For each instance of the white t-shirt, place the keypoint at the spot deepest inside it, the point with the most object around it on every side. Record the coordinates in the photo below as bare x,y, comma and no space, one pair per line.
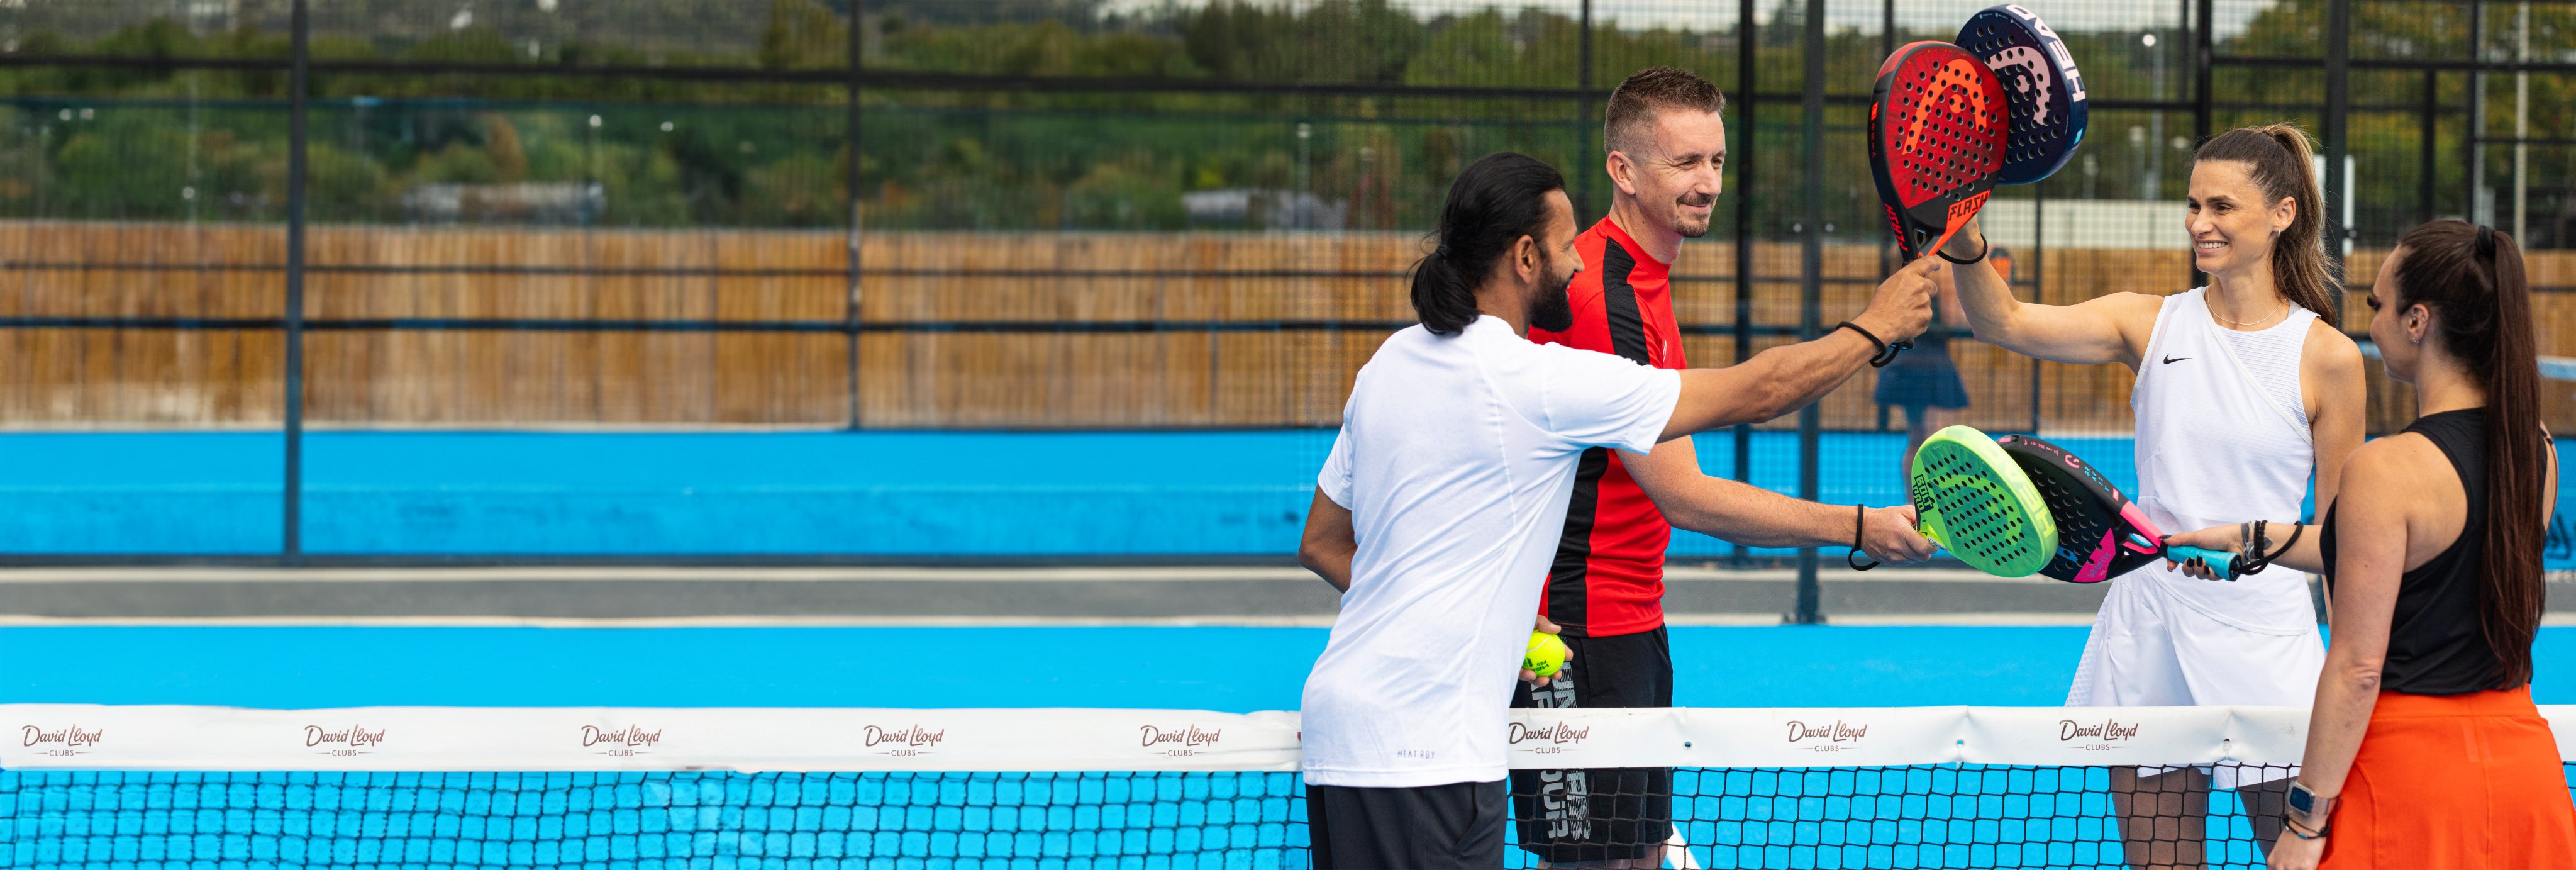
1456,459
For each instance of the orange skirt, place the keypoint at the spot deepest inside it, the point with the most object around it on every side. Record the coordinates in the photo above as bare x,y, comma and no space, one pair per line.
2467,781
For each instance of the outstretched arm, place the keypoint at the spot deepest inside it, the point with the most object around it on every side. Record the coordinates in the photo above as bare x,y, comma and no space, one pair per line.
2111,328
1784,379
1756,517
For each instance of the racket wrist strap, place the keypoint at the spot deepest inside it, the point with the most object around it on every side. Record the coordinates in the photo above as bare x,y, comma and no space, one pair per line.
1886,352
1860,523
1989,247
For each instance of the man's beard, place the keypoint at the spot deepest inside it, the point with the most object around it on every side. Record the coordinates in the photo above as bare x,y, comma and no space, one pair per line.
1553,310
1684,227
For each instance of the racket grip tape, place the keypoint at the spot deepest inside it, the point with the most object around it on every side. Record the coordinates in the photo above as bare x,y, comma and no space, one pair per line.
2220,563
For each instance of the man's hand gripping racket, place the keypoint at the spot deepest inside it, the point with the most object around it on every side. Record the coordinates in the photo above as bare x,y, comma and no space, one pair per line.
1971,499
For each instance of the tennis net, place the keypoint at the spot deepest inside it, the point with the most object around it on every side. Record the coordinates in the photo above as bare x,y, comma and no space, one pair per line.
169,787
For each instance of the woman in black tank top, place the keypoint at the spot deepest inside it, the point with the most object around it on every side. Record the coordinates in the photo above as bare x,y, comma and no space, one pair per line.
2424,749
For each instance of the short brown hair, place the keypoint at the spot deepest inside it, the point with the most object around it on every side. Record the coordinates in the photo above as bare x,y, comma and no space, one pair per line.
1633,104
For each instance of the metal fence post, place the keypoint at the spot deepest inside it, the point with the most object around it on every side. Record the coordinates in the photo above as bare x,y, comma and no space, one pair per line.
1811,288
1741,155
2424,152
1583,165
292,548
2038,285
850,305
2337,120
2204,107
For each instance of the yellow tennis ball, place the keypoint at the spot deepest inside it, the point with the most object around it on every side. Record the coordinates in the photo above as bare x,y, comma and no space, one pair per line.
1546,654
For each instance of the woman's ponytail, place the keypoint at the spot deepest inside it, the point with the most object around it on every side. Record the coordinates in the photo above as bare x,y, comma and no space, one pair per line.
2472,278
1492,205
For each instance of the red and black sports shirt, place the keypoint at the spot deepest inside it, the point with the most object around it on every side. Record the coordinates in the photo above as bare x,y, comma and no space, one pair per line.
1608,578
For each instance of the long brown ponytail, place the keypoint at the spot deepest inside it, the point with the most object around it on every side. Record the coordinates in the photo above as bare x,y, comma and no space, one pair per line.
2472,279
2278,160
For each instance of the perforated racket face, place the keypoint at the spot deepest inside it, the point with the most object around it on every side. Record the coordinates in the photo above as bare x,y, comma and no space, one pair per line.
1975,501
1937,127
2099,534
2041,84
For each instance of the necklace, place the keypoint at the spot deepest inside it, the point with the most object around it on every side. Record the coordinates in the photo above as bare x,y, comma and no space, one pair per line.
2213,315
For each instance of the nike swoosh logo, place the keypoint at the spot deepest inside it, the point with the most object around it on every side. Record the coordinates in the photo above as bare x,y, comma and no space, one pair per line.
2171,360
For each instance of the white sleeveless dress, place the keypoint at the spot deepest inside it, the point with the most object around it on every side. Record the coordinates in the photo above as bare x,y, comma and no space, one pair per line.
2222,438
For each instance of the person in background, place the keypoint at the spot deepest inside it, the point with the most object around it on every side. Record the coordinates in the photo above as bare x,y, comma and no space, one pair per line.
1924,381
2424,749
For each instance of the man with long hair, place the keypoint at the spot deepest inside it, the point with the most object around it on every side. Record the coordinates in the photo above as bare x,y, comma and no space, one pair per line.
1436,512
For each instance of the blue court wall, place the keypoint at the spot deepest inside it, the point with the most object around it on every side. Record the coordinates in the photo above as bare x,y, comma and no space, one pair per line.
994,494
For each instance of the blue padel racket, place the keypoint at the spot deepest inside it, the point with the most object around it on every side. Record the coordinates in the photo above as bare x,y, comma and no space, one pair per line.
1938,123
2041,84
2101,534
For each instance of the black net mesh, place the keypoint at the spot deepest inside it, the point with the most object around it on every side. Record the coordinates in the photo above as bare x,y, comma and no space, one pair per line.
1916,816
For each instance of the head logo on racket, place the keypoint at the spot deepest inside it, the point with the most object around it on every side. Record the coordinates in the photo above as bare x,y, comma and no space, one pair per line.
2042,86
1938,124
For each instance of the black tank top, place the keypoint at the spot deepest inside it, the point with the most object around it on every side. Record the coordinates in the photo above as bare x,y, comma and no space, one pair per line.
2436,642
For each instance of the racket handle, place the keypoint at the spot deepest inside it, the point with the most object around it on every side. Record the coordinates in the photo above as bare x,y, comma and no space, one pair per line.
2220,563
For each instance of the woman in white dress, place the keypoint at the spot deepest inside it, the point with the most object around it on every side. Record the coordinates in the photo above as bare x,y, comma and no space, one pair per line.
2245,391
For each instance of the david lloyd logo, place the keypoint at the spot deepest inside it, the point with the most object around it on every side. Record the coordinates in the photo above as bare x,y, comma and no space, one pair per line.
1833,737
67,741
1552,739
350,739
904,741
2106,733
1183,741
621,742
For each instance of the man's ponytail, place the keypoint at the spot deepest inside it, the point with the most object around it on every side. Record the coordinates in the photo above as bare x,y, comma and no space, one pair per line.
1491,206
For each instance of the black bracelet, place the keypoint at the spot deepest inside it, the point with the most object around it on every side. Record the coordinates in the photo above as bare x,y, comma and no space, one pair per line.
1860,521
2255,562
1981,255
1886,352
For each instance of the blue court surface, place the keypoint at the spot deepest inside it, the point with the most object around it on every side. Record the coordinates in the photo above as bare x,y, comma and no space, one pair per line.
1224,669
939,494
929,494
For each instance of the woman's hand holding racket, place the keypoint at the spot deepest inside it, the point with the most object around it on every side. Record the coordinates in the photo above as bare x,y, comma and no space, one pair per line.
2209,554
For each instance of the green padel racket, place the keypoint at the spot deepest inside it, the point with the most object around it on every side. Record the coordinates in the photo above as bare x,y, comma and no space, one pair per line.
1971,498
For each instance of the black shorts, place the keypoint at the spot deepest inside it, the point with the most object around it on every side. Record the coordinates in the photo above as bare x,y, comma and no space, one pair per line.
1454,825
1602,814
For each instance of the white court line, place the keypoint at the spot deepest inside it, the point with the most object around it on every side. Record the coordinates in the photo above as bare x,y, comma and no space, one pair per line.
1317,621
1303,621
207,574
194,574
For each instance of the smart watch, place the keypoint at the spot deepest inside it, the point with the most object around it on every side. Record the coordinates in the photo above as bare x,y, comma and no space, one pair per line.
2308,810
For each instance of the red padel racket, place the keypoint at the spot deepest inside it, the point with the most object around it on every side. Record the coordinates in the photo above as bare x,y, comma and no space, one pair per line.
2041,84
2101,534
1938,123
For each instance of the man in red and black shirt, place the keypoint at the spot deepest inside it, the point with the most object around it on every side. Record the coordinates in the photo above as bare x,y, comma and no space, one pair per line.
1666,149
